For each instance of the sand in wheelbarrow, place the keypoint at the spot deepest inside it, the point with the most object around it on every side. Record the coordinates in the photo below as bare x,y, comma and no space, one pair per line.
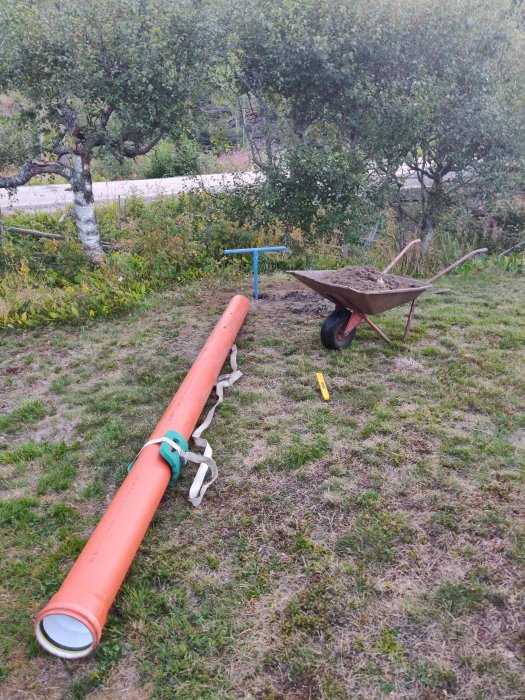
366,279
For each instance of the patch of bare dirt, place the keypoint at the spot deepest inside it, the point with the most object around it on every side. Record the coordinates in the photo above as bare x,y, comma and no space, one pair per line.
123,683
43,678
47,677
298,301
518,438
366,278
407,365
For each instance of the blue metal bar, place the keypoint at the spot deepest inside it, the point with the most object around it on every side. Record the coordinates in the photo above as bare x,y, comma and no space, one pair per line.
255,257
253,250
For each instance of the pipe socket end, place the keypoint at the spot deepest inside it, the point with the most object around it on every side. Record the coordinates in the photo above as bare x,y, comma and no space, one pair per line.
64,636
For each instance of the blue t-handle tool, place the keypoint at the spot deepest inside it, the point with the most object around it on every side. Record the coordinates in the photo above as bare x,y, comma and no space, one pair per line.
255,255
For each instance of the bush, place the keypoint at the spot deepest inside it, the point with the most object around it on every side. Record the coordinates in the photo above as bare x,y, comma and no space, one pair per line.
168,241
171,158
107,167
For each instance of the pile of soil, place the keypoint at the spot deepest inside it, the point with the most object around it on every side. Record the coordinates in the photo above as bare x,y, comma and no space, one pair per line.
299,301
366,279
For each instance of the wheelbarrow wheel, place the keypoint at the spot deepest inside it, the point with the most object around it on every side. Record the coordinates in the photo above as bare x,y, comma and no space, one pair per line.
333,330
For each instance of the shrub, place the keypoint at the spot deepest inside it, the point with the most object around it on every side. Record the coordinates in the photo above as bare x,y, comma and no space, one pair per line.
107,167
170,240
171,158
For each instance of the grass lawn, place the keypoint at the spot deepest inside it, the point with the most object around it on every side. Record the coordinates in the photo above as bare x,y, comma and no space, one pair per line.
368,547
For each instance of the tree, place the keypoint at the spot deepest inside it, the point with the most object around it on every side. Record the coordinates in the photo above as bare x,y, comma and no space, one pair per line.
293,62
93,76
414,89
316,184
443,100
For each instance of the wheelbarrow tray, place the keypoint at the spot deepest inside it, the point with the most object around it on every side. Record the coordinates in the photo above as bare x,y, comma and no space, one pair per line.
355,300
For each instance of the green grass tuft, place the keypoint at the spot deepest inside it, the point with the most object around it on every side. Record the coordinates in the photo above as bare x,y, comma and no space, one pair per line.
460,597
24,416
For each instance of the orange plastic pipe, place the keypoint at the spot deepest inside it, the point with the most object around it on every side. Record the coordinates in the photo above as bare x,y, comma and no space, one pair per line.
71,623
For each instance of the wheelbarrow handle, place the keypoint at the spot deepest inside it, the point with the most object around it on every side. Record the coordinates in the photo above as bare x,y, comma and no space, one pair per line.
448,269
400,255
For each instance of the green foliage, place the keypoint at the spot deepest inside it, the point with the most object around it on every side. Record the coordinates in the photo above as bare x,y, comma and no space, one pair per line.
433,88
433,676
318,186
56,462
108,167
97,80
442,107
141,61
18,140
333,97
460,597
389,644
310,611
298,453
165,242
513,262
27,451
298,58
373,537
18,512
25,301
173,157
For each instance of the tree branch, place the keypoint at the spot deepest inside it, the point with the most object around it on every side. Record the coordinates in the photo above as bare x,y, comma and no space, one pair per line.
138,150
97,138
62,150
35,167
250,133
105,114
52,236
67,118
255,87
422,170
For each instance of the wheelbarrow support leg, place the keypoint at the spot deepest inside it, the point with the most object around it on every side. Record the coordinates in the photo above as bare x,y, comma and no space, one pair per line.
409,320
356,318
376,328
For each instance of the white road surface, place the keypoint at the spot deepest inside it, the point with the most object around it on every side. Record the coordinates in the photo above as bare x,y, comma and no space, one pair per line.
58,197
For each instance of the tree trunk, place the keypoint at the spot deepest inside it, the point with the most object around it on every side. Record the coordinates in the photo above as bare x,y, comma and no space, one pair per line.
84,210
400,217
372,234
287,234
431,199
427,231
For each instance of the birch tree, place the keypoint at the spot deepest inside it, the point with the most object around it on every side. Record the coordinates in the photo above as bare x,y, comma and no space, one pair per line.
89,75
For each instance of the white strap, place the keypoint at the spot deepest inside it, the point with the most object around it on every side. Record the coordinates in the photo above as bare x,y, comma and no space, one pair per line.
205,460
199,488
157,441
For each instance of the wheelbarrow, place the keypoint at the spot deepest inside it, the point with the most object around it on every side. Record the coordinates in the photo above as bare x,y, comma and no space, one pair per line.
353,306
